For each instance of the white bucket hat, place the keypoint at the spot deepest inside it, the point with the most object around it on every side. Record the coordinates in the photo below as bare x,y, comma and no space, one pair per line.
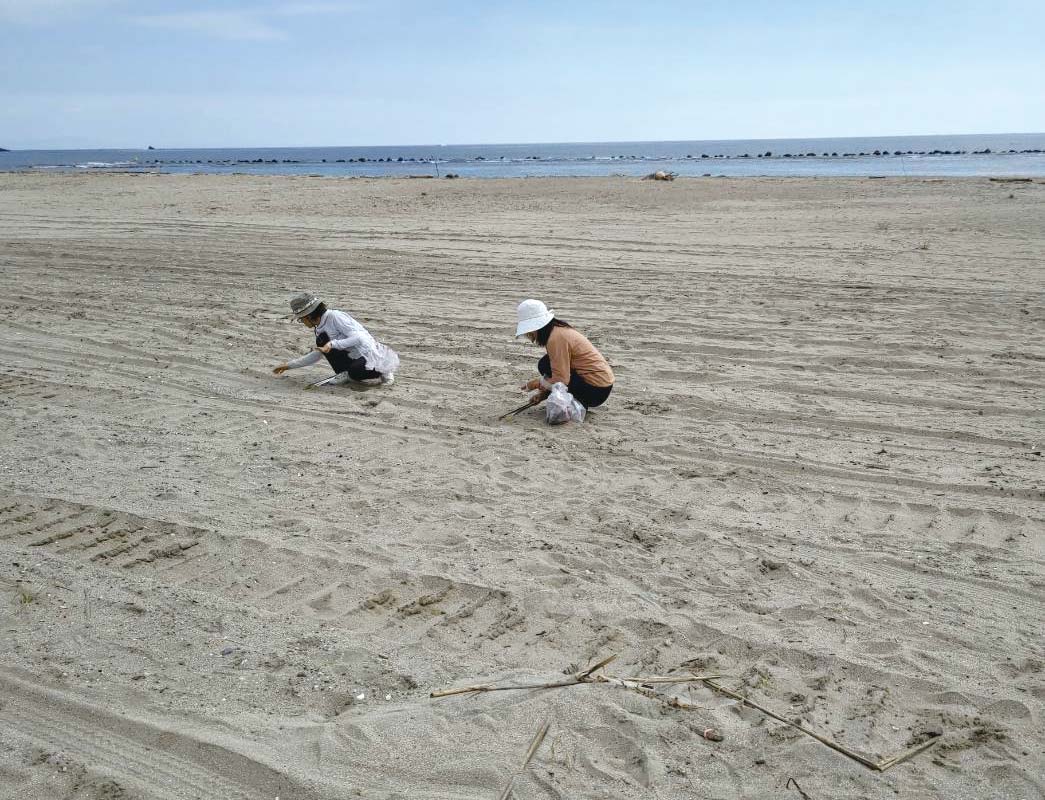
533,315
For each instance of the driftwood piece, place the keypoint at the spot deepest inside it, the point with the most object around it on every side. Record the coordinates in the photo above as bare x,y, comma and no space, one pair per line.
660,175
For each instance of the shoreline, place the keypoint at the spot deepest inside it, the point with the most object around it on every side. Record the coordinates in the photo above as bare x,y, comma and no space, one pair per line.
929,178
1032,175
938,156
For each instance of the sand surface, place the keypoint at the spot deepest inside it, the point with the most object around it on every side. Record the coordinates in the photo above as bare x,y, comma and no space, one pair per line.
820,476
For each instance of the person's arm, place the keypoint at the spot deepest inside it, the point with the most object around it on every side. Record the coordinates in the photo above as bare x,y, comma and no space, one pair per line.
304,361
345,332
559,356
347,342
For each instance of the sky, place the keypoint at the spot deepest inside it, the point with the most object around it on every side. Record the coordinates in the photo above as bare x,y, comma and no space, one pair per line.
255,73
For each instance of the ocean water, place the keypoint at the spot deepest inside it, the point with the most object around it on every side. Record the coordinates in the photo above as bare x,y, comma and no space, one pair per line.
1016,154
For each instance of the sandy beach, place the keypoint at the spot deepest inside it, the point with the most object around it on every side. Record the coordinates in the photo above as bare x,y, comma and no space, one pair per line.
820,476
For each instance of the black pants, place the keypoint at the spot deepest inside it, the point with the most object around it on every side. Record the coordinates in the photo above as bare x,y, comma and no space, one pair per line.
340,362
356,369
587,395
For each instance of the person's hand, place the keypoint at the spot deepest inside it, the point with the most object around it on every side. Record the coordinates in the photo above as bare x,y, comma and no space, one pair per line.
281,369
530,385
324,348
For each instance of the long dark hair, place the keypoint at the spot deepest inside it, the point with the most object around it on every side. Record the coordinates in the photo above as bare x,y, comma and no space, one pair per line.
544,333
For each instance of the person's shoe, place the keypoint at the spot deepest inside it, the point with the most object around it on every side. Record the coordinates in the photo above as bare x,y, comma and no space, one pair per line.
388,378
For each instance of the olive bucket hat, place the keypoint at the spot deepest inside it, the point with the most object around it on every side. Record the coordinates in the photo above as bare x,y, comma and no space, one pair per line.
301,305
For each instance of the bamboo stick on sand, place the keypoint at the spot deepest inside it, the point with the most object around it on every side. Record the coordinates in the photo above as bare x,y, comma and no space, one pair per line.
535,745
877,766
641,685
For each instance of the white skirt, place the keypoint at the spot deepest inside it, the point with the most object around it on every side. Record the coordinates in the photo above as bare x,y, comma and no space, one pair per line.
382,358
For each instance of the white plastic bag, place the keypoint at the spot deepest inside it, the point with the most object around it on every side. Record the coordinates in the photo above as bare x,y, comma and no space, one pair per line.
562,406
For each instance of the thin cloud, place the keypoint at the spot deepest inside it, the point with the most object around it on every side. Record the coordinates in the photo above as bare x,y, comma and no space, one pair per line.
220,24
43,11
259,23
311,9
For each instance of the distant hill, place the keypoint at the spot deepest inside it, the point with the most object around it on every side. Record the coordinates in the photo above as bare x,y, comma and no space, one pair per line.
4,150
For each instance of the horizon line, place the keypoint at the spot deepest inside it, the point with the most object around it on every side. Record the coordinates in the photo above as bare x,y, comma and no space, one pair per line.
146,148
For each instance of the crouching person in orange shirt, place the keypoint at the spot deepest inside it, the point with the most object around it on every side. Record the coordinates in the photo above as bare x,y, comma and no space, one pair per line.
571,359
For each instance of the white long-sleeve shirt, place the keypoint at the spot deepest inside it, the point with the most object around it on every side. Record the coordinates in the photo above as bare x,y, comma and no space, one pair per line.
349,334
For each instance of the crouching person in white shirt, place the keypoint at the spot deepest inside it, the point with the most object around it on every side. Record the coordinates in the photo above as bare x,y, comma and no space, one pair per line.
352,352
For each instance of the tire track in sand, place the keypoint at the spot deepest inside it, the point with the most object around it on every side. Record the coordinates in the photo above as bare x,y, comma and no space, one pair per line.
158,760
